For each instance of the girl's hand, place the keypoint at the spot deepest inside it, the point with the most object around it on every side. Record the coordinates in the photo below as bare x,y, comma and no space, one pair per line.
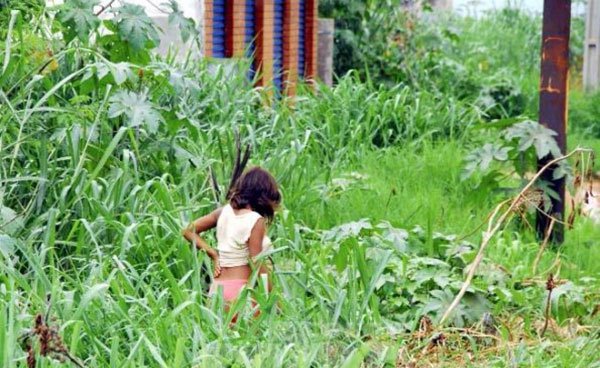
217,268
215,258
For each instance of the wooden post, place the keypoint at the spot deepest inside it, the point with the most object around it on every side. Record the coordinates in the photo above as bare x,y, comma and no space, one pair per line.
591,52
264,42
234,28
215,24
208,27
325,51
291,27
553,100
310,40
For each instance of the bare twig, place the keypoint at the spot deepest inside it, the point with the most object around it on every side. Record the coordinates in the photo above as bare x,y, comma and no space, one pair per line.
543,246
157,7
49,341
476,229
549,286
493,228
215,185
239,164
241,160
104,7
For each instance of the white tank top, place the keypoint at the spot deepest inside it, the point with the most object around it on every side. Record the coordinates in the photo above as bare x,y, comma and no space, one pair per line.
233,232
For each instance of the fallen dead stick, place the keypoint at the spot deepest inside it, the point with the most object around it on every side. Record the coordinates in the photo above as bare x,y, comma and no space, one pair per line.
493,228
471,332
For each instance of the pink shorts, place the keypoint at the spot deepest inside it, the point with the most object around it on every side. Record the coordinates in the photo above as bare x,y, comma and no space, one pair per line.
231,288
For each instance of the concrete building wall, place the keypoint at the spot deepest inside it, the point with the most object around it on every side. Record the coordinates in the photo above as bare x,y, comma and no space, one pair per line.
442,4
170,38
281,36
591,60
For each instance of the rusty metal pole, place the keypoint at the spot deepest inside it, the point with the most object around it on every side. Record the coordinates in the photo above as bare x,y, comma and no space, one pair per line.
553,100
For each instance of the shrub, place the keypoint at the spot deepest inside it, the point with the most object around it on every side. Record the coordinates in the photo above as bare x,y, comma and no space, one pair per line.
584,113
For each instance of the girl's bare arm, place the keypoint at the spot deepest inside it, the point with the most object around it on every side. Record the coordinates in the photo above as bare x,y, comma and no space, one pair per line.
255,245
191,233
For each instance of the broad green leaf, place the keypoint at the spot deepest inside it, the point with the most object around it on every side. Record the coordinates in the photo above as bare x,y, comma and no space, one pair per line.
99,69
398,237
10,221
563,169
546,186
441,280
482,158
176,19
419,261
121,72
439,301
348,230
134,26
7,245
181,83
136,108
78,16
439,276
533,134
178,360
572,292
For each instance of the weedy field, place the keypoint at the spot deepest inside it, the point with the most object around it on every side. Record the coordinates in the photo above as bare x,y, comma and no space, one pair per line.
388,181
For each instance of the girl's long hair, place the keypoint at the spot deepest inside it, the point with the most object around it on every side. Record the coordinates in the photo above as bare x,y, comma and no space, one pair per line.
257,189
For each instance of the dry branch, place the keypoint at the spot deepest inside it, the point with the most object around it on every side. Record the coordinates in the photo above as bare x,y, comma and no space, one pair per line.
550,284
104,7
543,246
493,228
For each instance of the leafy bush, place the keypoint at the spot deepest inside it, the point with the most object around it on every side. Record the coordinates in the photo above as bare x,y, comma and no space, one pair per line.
527,138
359,113
509,164
462,58
584,114
28,9
501,98
383,41
409,281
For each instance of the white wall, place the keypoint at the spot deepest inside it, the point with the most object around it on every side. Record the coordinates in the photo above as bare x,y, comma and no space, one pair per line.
591,58
190,8
474,7
170,38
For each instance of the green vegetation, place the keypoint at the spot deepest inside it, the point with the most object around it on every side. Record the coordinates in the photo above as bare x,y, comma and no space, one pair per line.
105,154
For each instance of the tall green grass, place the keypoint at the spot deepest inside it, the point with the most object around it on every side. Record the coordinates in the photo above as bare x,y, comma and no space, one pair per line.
412,185
91,210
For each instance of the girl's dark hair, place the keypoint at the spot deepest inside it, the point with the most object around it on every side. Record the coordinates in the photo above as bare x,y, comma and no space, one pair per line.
258,189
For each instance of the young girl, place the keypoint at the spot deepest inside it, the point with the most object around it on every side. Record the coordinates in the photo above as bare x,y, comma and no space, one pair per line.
241,230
